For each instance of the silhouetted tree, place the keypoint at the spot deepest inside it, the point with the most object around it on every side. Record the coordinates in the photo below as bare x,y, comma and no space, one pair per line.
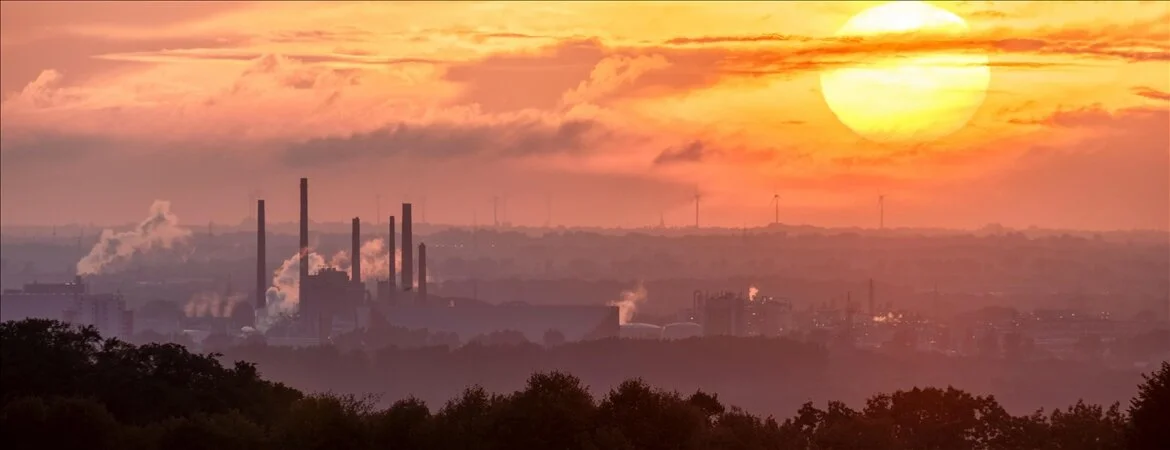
406,424
1086,426
553,411
1149,411
65,387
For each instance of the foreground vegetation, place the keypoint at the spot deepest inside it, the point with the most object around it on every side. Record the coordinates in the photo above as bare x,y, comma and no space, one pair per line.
66,387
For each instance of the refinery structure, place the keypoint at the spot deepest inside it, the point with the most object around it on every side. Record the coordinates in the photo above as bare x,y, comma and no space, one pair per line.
332,301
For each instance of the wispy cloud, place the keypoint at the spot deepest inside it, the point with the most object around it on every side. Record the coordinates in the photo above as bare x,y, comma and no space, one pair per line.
522,137
1151,93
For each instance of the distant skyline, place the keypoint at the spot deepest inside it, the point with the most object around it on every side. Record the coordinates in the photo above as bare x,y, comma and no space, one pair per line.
613,113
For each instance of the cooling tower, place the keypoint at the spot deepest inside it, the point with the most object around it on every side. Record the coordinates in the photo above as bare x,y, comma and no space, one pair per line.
261,255
407,250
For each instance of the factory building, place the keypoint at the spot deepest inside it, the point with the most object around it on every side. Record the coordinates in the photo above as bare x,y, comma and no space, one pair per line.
575,322
733,314
722,313
681,330
71,303
640,331
333,302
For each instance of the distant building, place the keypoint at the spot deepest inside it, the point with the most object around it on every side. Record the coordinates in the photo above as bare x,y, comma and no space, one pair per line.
574,322
723,314
331,303
640,331
682,330
69,302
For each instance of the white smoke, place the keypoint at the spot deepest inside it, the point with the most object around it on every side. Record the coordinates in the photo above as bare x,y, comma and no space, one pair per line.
753,292
283,297
628,303
213,304
160,230
375,260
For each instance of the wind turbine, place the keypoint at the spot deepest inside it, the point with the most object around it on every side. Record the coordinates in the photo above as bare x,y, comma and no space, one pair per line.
776,203
496,211
697,197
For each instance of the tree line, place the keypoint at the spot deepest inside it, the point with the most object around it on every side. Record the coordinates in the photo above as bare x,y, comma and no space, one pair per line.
67,387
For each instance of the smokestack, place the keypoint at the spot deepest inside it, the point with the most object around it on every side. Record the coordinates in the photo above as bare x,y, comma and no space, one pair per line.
422,273
407,250
355,254
393,268
261,255
871,311
304,252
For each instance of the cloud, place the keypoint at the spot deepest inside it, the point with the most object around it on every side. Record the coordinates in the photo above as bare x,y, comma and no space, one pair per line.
695,151
1151,93
770,37
1144,40
269,98
205,54
612,73
491,82
1086,116
514,138
21,152
268,91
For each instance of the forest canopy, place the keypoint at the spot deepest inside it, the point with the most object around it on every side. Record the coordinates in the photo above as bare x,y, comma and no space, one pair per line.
111,394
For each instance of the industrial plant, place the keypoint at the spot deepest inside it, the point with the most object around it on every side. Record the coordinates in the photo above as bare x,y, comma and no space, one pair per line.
332,302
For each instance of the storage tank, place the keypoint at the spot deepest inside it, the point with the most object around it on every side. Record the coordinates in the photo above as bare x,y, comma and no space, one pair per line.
640,331
682,330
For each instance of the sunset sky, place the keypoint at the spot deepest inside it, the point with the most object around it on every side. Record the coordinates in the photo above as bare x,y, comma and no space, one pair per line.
614,113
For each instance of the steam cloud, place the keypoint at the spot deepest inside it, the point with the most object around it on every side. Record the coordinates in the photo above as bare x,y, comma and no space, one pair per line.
628,303
753,291
213,304
375,264
160,230
283,297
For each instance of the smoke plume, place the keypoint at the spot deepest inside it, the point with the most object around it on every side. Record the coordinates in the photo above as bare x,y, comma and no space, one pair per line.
283,297
753,291
628,302
213,304
114,251
375,264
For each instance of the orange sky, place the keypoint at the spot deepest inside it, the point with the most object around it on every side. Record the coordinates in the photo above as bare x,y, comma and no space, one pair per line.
614,113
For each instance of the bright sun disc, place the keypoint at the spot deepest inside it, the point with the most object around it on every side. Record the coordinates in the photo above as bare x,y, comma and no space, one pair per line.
917,97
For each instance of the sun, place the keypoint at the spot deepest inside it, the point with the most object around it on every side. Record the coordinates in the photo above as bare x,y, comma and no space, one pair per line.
888,95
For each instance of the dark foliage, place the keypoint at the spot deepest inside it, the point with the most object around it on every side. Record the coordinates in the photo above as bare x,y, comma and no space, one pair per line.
114,395
1149,412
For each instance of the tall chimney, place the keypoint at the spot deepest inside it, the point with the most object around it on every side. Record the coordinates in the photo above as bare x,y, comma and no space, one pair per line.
393,267
261,255
407,250
872,313
355,253
304,251
422,273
